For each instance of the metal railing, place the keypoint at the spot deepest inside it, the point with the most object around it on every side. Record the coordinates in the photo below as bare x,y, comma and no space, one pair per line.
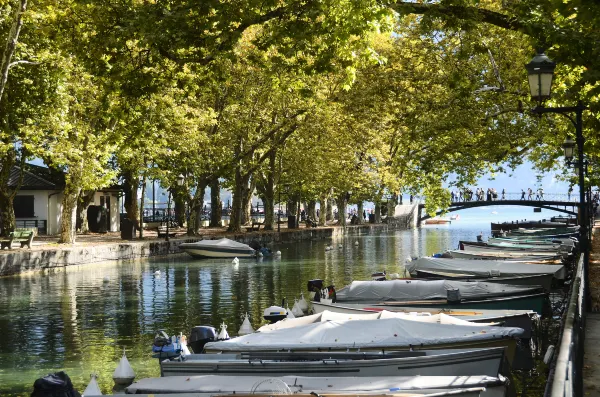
566,377
565,197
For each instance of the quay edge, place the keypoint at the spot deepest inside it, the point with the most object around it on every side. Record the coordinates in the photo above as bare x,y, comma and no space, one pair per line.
22,261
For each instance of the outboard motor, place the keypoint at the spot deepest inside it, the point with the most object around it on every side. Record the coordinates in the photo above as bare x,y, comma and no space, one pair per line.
379,276
200,336
314,286
54,385
274,313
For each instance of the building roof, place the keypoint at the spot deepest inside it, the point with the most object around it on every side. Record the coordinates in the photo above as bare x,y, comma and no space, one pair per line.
31,181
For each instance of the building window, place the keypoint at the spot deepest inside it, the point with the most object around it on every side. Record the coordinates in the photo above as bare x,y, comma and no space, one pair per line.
23,206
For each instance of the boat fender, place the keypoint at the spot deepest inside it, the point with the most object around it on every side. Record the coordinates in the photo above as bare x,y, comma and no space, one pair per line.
183,344
124,374
549,354
290,314
223,335
235,261
246,327
92,388
302,304
296,311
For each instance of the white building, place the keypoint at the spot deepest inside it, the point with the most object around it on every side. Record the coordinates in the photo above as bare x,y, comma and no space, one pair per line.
38,204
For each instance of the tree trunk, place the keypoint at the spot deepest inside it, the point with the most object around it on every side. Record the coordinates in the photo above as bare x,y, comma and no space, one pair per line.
130,187
247,191
7,210
85,198
391,205
196,203
330,204
235,219
312,209
11,44
377,212
360,211
216,205
69,205
342,203
141,214
323,211
179,203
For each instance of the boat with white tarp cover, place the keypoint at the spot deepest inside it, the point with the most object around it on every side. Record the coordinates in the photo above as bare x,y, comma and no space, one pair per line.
388,334
415,290
222,248
484,361
509,318
213,385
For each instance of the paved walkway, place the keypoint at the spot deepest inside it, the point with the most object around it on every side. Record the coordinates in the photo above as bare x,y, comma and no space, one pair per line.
591,360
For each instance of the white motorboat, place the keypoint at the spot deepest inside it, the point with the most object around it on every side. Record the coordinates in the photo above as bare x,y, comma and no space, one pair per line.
211,385
222,248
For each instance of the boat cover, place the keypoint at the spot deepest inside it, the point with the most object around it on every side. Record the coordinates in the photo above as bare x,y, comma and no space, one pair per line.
368,334
414,290
485,268
220,243
328,315
220,384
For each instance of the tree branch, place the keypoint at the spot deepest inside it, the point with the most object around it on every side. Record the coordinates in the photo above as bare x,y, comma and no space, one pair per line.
15,63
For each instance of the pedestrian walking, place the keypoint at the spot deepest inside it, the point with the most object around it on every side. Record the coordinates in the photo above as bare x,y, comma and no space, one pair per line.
569,193
503,194
529,193
541,193
522,194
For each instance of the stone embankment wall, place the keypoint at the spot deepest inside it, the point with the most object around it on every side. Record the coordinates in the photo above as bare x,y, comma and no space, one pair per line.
24,260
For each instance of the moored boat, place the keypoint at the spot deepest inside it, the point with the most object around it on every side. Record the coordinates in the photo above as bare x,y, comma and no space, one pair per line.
213,385
484,268
391,334
475,246
455,362
508,317
222,248
543,280
502,255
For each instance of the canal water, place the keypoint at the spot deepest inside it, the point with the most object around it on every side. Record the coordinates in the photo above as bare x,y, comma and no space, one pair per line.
80,320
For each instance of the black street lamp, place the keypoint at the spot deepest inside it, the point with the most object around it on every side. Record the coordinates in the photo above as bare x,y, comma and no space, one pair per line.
180,180
540,72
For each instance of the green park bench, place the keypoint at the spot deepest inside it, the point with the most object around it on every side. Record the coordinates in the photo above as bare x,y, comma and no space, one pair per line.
25,237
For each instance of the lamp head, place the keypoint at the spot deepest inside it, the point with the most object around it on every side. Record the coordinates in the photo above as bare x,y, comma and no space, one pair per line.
540,72
569,149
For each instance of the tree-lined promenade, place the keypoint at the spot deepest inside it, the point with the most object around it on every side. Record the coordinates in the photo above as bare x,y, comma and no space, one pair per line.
317,102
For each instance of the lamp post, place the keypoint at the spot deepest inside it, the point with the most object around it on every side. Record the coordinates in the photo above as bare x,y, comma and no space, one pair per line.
540,73
180,180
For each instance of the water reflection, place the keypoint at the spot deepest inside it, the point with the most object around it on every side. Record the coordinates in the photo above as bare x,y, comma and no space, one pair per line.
80,320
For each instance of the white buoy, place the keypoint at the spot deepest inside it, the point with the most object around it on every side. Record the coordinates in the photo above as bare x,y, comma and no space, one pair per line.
302,304
223,335
123,374
157,273
278,253
260,254
289,312
235,261
246,327
356,242
296,311
183,342
92,388
106,279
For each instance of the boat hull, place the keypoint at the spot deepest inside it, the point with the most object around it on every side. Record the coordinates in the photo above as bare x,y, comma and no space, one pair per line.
213,385
544,280
461,254
486,361
217,253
